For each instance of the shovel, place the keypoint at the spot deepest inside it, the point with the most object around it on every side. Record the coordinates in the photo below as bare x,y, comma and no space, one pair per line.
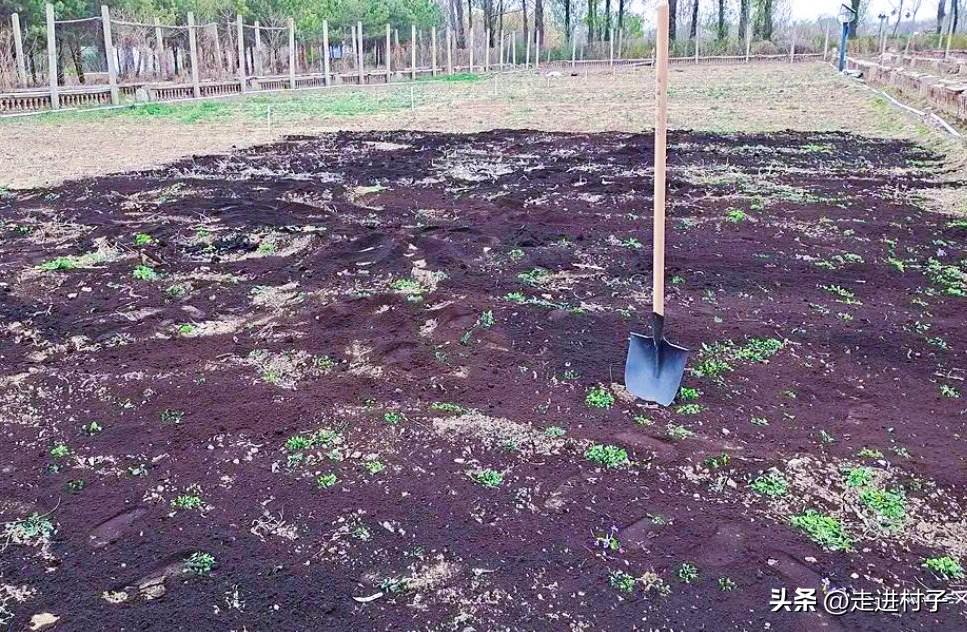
654,368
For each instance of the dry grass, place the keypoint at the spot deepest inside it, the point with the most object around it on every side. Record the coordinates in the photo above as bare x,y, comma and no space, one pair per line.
44,150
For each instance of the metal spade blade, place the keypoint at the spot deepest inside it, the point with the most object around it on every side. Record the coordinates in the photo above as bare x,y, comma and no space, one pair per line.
654,368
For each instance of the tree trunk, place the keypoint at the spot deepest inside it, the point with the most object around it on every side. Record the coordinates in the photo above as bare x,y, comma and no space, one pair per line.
672,19
899,16
743,19
722,32
539,19
854,25
941,15
567,18
955,5
693,28
591,25
621,15
77,58
606,27
764,21
461,33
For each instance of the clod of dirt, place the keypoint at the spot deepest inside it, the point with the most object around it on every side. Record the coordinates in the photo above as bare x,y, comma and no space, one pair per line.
43,620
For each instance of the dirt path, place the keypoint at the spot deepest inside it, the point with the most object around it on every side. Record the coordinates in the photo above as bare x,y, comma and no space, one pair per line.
370,381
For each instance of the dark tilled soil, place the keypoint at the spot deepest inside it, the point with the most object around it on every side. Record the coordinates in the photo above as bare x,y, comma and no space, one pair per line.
314,302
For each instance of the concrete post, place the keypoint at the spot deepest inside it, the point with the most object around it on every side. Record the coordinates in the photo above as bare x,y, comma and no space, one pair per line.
433,50
112,69
193,54
240,27
325,51
389,53
18,45
413,51
449,51
52,58
291,54
159,42
257,55
360,56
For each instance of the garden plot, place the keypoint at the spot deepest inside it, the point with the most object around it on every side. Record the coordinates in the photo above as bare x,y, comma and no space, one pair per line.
372,381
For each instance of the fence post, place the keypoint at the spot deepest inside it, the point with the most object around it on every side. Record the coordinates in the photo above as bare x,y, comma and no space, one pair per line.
433,49
792,47
413,51
486,49
159,42
112,70
513,50
325,51
18,44
360,71
257,55
449,51
574,51
472,42
826,44
52,58
291,54
621,33
389,52
500,60
748,43
611,47
240,26
696,47
193,53
950,34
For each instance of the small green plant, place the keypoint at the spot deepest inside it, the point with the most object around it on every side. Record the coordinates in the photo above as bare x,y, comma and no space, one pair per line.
143,239
610,456
412,290
949,391
771,484
607,541
92,428
869,453
951,279
946,567
486,319
200,563
825,530
734,216
825,437
889,505
620,580
858,476
145,273
59,263
186,329
75,486
32,530
176,291
687,394
689,409
266,247
687,573
759,421
599,397
298,443
187,501
374,466
325,481
487,477
516,254
446,407
393,417
678,432
718,461
632,243
842,294
172,416
643,420
726,584
554,432
60,451
535,276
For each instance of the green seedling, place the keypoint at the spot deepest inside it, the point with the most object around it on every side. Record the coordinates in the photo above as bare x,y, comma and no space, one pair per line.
687,572
599,397
622,581
393,417
718,461
535,276
869,453
858,476
187,501
172,416
726,584
842,294
143,239
949,391
678,432
374,466
945,567
825,530
609,456
92,428
145,273
200,563
889,505
607,541
325,481
186,329
446,407
687,394
60,451
689,409
32,530
772,484
554,432
735,216
488,477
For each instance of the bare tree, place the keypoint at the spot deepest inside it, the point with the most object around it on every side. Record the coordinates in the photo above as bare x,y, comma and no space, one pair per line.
672,18
539,18
458,23
743,18
693,27
722,30
567,18
899,16
941,14
592,21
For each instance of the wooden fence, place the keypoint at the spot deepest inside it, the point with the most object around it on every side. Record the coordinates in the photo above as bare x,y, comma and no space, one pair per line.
122,61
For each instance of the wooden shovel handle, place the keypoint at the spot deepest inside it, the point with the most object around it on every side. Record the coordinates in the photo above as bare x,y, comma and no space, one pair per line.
661,133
